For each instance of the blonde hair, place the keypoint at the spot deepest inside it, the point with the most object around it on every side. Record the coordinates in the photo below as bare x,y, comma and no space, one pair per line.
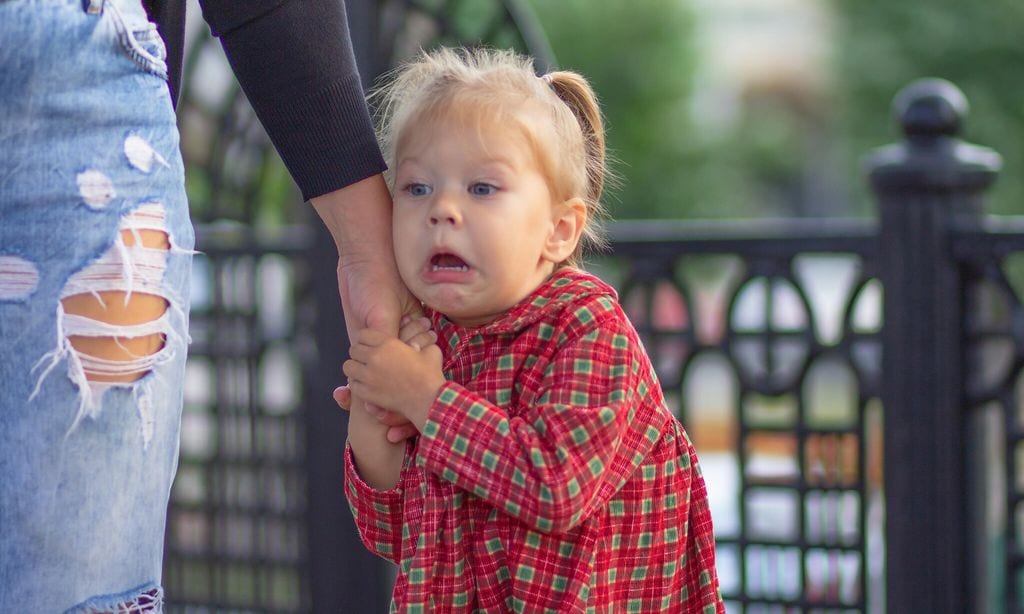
501,82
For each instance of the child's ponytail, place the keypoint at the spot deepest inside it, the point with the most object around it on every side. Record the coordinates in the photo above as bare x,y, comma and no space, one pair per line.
577,94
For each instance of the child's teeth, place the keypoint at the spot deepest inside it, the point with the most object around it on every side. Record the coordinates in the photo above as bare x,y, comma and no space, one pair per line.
450,268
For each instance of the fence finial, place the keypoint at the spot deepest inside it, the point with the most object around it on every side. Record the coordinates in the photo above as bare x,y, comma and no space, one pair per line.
930,108
932,155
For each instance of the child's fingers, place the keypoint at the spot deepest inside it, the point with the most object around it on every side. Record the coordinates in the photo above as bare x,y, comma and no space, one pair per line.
397,434
434,352
359,352
371,337
354,371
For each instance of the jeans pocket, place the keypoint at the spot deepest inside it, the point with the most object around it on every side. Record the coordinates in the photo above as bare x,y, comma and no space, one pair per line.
141,42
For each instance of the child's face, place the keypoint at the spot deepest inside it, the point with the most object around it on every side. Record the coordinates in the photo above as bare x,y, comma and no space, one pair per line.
474,220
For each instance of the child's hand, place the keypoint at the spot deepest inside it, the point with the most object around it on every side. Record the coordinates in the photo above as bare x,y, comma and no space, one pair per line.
387,372
416,332
399,429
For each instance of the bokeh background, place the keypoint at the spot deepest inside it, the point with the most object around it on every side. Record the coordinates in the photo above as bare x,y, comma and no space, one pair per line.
736,108
728,110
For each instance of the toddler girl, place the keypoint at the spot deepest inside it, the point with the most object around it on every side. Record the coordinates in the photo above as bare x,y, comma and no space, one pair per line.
548,474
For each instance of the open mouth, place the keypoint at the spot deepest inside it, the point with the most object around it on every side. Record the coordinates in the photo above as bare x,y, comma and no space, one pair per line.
448,262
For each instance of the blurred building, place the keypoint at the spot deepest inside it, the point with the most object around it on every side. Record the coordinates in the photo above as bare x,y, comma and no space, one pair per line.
766,78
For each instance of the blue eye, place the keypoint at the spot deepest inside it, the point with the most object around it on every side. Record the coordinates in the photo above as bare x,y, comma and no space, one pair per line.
418,189
482,189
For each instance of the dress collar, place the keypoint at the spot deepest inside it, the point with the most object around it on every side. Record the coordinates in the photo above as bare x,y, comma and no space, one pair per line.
564,286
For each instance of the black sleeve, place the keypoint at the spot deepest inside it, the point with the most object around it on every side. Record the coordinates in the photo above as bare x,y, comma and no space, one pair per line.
295,63
170,22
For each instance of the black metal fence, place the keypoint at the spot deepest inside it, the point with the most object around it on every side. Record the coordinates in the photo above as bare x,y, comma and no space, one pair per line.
854,388
766,340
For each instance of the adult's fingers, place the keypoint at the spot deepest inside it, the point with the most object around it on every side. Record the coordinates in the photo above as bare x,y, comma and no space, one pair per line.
390,418
413,327
422,340
343,397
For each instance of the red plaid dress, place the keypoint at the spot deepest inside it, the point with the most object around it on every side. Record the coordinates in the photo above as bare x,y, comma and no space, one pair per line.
549,476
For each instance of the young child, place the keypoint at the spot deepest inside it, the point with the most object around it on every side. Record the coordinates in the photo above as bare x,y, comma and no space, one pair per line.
548,474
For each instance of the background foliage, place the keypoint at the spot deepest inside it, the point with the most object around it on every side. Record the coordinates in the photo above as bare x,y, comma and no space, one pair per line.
785,157
640,60
780,154
978,46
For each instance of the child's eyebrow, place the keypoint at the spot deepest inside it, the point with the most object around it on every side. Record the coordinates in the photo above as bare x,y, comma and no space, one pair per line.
505,163
509,164
402,163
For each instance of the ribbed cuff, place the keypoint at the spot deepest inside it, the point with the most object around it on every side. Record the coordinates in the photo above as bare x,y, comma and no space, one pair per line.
363,492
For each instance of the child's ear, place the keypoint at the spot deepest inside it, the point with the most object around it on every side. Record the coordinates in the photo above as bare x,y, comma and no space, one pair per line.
567,222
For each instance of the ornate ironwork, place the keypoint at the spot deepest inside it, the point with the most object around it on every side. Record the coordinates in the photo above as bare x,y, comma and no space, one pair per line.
766,341
992,259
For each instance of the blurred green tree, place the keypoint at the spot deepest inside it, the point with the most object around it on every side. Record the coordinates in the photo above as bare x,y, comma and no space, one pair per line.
643,60
781,156
640,59
883,45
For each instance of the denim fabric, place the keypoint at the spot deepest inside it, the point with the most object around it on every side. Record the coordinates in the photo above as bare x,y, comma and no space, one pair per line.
88,151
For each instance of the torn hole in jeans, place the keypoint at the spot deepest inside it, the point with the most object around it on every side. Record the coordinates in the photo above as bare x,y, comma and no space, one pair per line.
143,600
19,278
113,319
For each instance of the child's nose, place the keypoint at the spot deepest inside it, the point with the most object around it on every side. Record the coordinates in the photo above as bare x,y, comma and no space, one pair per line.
444,211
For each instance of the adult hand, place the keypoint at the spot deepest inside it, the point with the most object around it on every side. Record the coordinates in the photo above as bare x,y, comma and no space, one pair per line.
359,220
372,293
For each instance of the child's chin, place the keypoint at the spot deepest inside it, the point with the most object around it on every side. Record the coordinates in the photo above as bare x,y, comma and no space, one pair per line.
460,314
445,308
446,300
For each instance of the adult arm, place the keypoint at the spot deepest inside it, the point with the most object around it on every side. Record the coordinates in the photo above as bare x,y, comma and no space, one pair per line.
295,62
372,296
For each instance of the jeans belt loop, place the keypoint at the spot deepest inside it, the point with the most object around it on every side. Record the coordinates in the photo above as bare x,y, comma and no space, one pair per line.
93,7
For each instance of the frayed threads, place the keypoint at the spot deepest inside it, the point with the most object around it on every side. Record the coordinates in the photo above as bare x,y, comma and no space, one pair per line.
142,600
90,393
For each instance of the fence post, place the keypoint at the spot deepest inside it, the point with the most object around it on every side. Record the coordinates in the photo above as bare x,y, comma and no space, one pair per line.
925,186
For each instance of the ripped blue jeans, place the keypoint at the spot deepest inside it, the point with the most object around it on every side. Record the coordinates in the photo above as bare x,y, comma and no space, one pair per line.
95,256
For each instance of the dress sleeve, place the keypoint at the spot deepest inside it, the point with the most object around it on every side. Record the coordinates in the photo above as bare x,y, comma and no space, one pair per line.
295,62
702,584
378,513
552,464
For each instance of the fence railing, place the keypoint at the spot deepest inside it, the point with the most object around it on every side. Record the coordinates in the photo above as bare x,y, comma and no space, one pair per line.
766,340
